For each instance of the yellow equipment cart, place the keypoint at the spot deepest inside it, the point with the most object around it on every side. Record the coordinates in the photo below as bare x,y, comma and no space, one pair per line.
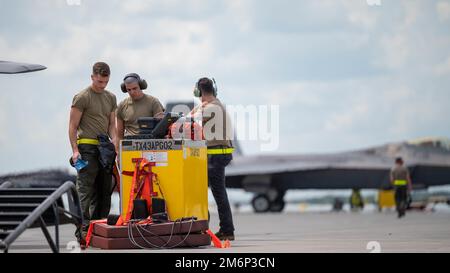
386,199
181,174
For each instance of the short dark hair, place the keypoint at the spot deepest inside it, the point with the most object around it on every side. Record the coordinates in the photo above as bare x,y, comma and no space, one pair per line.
206,85
102,69
399,160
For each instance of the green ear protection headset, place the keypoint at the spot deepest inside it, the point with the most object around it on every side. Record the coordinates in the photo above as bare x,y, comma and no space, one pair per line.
198,92
142,83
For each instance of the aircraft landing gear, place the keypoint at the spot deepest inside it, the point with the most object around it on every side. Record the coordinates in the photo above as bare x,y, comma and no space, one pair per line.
263,203
277,206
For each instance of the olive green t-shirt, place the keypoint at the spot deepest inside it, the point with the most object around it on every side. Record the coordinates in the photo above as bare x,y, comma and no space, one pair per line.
216,124
399,173
130,110
96,109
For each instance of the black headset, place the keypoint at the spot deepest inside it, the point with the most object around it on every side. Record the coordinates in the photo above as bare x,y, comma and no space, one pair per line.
142,83
198,91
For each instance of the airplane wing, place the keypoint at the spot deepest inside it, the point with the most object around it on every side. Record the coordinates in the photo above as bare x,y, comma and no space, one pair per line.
368,168
261,165
39,179
14,68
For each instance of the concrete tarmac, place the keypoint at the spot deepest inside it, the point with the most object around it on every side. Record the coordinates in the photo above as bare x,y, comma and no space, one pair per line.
299,233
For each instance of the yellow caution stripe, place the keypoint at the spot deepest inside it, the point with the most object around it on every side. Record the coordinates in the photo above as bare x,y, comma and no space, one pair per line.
223,151
88,141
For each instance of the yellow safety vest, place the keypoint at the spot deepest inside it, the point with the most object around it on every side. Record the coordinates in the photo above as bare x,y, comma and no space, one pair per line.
400,182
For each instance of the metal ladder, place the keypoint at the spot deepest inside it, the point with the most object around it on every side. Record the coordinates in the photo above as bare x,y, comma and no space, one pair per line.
22,208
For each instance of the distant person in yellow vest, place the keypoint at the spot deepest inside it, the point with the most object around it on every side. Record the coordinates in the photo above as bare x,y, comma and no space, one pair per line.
137,105
356,200
401,181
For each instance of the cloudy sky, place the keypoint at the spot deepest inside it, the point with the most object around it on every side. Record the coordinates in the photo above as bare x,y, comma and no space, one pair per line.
345,74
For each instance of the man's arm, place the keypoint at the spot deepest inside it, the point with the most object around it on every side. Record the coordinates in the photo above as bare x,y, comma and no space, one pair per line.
113,130
159,115
198,109
120,131
74,122
158,109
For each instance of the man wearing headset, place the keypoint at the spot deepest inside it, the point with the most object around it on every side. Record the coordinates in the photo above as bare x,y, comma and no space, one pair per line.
135,106
217,132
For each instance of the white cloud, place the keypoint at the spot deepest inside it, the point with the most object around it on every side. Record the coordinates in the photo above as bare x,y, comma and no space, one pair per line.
443,10
241,11
412,12
3,124
180,46
396,48
170,46
361,14
133,7
443,68
295,93
400,43
66,54
235,61
346,120
344,74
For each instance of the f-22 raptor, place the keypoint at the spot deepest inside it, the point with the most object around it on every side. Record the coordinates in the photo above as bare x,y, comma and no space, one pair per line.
270,176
